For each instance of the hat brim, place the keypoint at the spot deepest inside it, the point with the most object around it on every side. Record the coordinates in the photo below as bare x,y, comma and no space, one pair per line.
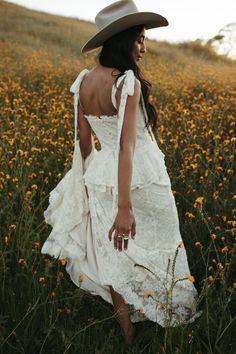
148,19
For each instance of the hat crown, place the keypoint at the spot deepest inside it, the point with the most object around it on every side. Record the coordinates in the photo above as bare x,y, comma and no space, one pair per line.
118,17
114,12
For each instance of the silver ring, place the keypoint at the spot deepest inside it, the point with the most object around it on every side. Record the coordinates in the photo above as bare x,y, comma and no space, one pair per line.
125,238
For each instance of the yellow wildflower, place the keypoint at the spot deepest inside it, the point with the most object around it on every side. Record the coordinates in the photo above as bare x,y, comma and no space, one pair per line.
213,236
216,195
36,244
189,215
81,278
147,294
198,202
20,152
198,244
63,262
28,195
190,278
225,249
34,149
181,244
21,261
12,226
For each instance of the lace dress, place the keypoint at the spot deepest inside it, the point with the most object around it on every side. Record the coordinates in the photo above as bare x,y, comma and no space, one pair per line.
153,275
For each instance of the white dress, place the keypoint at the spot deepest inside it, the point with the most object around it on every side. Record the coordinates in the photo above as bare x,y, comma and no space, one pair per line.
153,275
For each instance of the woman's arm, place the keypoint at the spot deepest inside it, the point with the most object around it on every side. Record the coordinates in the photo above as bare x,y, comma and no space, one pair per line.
127,146
124,223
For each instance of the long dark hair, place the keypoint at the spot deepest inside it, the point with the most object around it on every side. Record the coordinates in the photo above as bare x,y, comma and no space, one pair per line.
117,53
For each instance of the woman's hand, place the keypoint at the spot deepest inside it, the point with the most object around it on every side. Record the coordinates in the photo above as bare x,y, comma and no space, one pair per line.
125,225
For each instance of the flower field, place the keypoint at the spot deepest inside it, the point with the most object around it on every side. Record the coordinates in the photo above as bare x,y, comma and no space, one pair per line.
41,309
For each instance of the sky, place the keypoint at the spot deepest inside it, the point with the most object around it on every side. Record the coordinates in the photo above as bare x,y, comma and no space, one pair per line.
188,19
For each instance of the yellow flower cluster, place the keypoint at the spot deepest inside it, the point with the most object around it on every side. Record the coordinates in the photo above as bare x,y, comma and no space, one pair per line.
198,202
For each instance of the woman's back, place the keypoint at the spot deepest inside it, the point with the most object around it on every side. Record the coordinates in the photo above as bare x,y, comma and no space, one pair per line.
100,102
96,91
103,102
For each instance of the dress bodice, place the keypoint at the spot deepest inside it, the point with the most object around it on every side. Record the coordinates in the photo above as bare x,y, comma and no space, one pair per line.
148,160
105,128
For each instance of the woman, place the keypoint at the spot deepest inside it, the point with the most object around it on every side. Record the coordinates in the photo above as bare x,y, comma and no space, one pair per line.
126,245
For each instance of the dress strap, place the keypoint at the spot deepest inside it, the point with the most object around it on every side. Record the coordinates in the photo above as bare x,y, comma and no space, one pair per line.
113,99
75,87
127,90
114,89
113,95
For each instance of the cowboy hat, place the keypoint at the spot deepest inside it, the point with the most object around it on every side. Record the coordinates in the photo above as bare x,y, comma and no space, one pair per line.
119,16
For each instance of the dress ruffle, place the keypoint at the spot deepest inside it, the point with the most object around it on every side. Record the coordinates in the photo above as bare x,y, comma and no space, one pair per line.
68,212
148,167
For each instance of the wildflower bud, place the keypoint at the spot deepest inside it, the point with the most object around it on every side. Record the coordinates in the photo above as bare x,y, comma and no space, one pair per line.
81,278
190,278
147,294
198,244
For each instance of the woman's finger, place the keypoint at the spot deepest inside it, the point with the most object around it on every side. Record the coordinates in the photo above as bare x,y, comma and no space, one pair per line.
115,239
120,241
111,232
133,230
126,245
